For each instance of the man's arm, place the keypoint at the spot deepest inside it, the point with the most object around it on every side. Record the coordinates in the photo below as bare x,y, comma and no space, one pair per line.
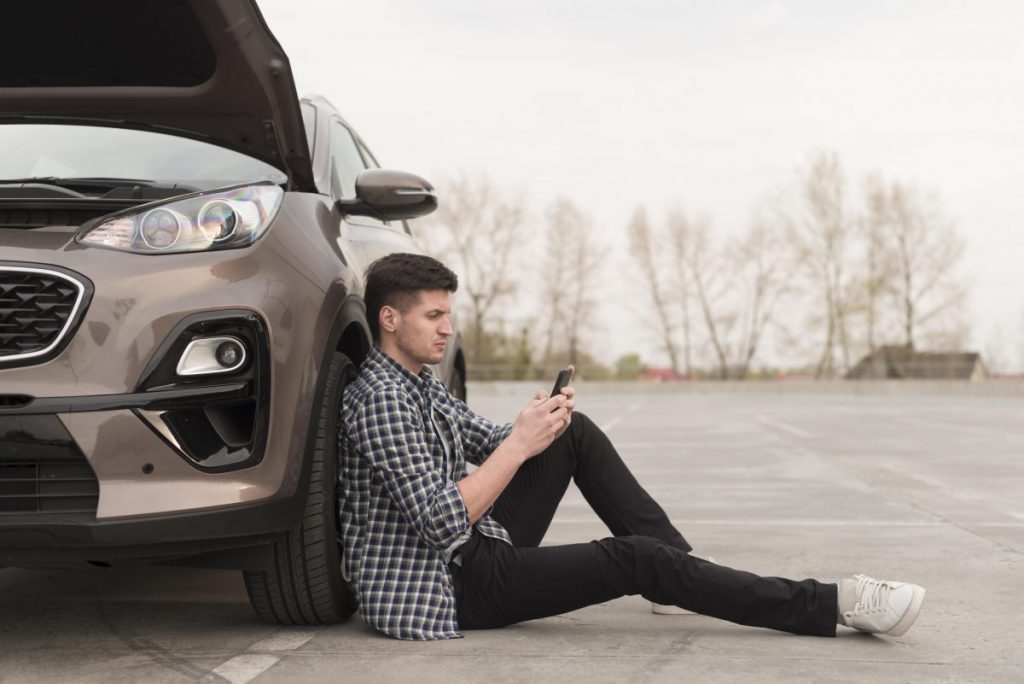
537,426
392,438
480,436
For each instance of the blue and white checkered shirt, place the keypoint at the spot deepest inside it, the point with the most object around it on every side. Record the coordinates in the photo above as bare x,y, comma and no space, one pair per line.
401,513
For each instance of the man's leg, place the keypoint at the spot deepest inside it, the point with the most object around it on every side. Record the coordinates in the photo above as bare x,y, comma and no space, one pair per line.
500,585
584,454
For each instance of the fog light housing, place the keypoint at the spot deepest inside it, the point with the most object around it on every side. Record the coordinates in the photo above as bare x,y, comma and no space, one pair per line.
219,415
229,354
211,355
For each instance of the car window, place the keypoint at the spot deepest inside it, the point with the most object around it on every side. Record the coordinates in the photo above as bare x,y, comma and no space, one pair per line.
346,162
72,151
371,163
309,123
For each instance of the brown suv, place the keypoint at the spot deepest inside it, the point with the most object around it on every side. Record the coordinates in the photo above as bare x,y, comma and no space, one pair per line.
182,243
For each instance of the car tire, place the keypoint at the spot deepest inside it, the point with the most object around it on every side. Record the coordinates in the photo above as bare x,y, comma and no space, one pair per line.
457,385
304,585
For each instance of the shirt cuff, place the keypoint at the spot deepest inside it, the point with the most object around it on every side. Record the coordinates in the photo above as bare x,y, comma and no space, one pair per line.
454,517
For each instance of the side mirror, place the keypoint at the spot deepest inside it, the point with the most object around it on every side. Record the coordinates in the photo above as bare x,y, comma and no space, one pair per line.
390,196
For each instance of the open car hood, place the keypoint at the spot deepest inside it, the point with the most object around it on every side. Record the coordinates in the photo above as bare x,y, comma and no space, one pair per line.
204,69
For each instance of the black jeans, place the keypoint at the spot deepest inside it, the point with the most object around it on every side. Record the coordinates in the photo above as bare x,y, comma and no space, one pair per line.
499,585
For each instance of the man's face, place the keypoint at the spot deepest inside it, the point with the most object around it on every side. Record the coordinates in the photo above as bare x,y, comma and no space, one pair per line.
421,332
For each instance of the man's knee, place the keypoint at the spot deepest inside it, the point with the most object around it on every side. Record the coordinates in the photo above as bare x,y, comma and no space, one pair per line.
579,428
581,422
629,552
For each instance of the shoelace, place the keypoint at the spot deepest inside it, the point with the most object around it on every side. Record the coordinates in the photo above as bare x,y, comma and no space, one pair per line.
873,595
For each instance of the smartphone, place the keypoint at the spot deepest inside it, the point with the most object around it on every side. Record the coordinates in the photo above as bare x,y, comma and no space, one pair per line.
564,376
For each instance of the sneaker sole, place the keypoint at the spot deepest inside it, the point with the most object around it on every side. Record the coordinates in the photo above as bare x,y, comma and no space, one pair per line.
911,615
660,609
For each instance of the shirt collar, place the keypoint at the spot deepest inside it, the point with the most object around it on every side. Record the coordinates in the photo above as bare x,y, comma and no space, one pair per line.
412,381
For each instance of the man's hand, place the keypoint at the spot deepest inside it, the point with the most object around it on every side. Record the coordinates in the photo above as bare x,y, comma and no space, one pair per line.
570,404
542,420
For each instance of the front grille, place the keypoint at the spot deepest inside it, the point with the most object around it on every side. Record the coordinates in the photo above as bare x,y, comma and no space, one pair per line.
42,470
37,307
37,218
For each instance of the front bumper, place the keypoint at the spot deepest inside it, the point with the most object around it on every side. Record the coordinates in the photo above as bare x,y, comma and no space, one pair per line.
104,386
31,541
49,492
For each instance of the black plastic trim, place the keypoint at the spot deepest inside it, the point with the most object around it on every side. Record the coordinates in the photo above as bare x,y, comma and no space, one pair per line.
160,374
99,204
137,400
180,535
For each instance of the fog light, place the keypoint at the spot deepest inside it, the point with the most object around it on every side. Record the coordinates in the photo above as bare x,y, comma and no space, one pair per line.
229,353
209,355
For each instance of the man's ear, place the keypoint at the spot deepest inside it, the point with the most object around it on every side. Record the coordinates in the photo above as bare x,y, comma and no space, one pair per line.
388,318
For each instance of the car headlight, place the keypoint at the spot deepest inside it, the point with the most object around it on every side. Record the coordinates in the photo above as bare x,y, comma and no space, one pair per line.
231,217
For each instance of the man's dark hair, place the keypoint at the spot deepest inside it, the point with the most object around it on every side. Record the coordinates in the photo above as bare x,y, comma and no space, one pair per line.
396,281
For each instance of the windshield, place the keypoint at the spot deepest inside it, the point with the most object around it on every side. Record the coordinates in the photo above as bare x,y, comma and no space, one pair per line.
61,151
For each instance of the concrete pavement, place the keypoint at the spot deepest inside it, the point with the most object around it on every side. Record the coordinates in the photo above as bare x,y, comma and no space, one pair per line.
918,486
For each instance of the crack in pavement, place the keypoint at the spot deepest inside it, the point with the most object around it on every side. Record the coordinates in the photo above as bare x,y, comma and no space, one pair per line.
160,656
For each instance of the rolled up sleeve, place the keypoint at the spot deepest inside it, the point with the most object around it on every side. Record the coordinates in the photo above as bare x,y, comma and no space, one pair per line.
394,442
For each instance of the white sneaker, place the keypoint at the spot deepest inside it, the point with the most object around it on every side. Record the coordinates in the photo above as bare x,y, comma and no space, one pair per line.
668,608
879,607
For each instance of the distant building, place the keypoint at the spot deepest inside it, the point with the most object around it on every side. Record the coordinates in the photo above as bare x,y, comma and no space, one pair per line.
649,374
899,362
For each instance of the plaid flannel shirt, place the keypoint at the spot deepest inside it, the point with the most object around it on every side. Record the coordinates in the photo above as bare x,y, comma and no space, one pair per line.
400,509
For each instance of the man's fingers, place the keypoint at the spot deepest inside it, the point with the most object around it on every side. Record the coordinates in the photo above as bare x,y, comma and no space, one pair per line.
555,402
559,415
537,399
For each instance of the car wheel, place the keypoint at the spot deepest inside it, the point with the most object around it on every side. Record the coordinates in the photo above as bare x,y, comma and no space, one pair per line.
457,385
304,586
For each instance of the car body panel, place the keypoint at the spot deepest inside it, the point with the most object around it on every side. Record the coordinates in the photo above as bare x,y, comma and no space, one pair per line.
302,280
242,96
138,300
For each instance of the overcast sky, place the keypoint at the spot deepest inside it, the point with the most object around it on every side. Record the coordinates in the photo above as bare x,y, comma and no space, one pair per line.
710,105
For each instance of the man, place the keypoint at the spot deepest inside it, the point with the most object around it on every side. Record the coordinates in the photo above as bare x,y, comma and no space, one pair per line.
431,550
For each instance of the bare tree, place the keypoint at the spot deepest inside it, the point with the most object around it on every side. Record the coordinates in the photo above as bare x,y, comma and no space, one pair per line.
554,281
680,237
481,234
928,250
875,230
763,265
709,285
570,274
820,231
737,288
644,251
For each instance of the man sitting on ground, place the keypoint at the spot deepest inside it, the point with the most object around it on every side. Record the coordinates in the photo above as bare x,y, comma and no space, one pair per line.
432,551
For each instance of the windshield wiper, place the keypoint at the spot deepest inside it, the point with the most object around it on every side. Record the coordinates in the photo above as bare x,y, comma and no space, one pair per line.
88,181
